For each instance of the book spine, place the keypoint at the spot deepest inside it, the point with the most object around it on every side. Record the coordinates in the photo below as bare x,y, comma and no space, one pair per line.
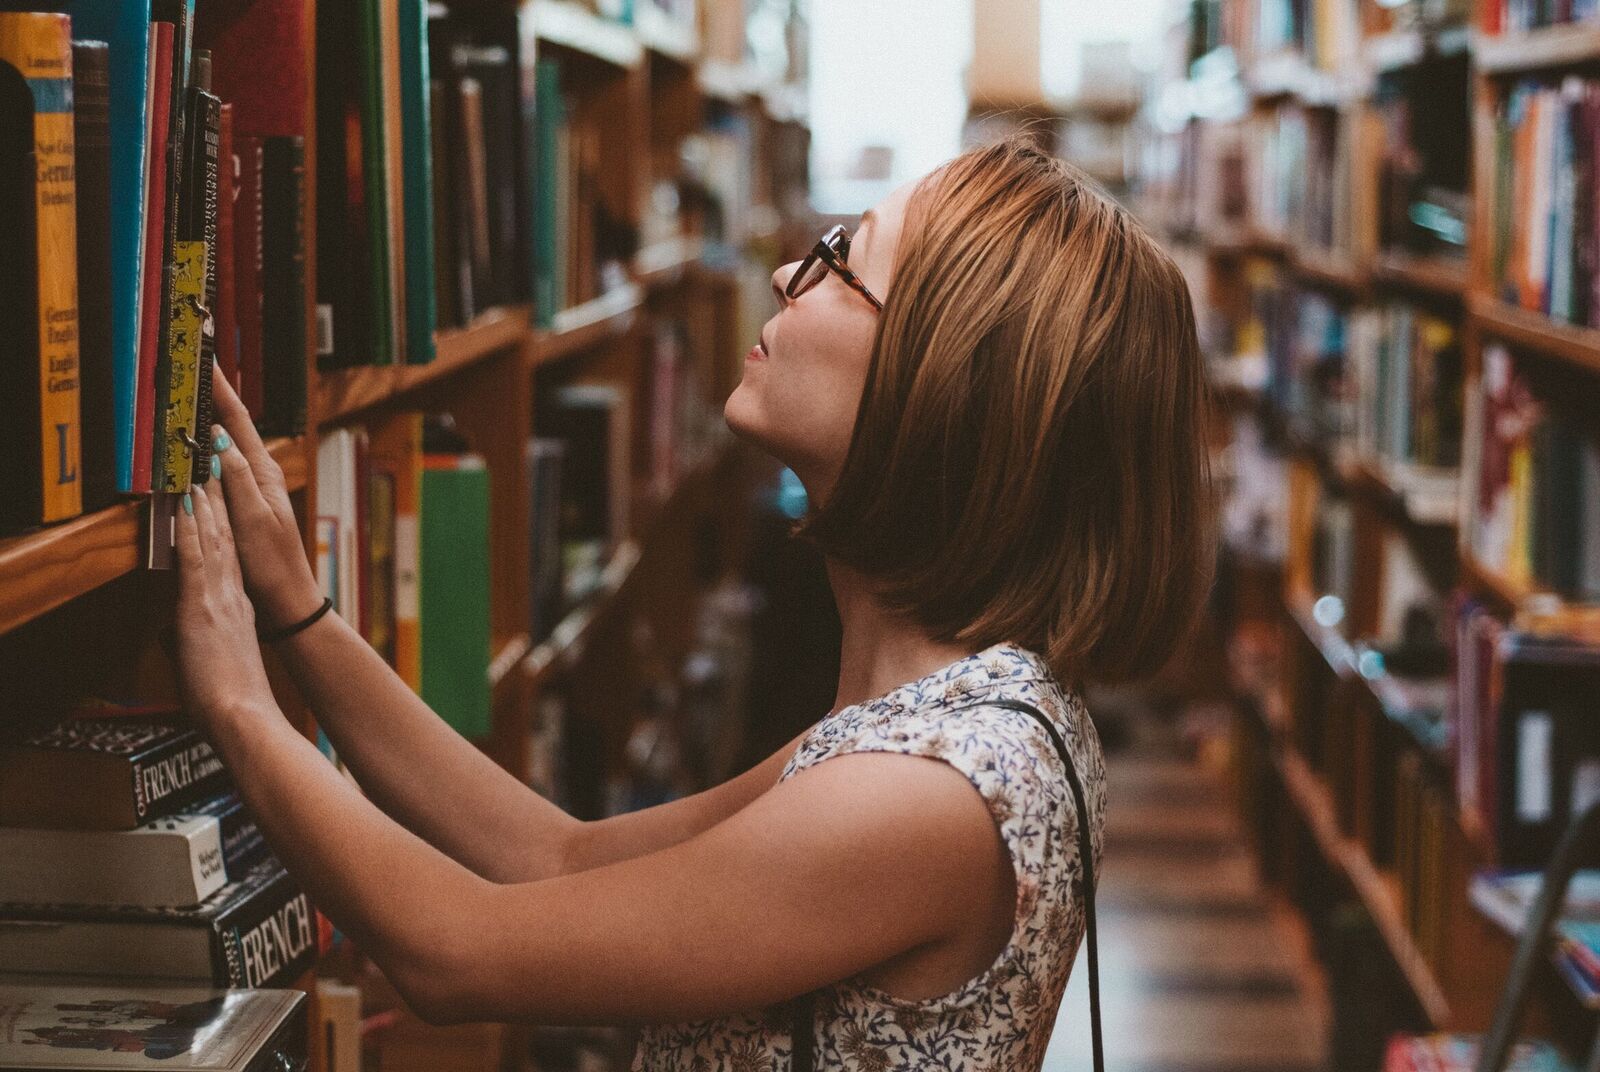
150,284
226,309
186,272
39,46
91,73
247,232
126,27
243,844
210,144
181,772
187,318
283,304
268,939
374,173
417,138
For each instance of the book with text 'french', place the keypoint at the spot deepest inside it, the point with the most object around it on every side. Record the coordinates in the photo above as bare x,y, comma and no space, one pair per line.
455,591
106,773
40,474
257,930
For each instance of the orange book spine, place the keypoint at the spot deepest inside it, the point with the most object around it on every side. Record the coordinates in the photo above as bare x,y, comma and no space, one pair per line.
394,450
39,46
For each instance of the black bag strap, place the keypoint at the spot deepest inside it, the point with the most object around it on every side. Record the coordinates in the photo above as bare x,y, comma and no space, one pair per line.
804,1007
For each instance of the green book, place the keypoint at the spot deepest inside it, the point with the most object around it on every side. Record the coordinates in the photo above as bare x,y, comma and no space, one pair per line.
421,308
548,296
455,591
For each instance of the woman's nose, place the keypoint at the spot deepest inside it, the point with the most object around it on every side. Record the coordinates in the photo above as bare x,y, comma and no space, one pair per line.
780,282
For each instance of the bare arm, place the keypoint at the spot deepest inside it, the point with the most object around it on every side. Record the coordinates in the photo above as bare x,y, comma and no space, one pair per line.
408,760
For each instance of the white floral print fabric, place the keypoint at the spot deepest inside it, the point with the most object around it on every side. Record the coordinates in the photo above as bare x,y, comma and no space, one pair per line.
1001,1019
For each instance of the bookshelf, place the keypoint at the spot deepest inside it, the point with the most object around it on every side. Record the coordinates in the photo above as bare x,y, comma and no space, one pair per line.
1350,768
633,94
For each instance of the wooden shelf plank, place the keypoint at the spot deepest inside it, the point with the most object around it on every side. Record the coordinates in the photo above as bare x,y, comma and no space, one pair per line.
1489,582
571,26
1376,892
507,656
1331,270
1444,277
665,36
582,326
1534,331
663,264
341,393
1551,46
732,83
39,571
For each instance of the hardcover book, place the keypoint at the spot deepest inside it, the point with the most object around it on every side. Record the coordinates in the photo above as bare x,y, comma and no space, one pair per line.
97,396
258,930
106,774
179,860
90,1029
39,285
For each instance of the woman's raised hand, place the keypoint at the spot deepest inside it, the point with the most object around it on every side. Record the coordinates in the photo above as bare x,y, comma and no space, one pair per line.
277,574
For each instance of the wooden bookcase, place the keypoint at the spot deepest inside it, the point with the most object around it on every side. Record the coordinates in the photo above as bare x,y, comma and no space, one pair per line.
1322,758
78,614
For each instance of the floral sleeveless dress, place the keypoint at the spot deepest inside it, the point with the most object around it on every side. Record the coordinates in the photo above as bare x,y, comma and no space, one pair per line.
1001,1019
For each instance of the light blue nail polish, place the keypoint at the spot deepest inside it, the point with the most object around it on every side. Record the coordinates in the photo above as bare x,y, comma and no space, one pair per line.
216,467
220,442
188,504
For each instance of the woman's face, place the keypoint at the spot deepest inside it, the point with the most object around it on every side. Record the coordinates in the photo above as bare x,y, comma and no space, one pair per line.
803,379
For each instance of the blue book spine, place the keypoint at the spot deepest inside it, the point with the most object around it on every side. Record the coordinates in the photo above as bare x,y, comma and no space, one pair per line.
125,26
422,312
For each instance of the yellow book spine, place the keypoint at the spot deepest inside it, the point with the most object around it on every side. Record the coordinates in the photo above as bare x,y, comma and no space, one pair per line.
39,46
183,382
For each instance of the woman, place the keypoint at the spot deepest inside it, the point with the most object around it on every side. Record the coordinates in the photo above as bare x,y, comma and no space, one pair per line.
994,392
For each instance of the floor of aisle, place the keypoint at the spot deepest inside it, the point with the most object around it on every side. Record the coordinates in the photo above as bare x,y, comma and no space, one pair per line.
1201,970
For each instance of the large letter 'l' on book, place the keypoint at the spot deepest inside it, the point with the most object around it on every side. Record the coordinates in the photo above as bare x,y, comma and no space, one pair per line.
39,350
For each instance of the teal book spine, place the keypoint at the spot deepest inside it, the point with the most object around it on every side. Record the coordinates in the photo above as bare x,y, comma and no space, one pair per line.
125,26
455,591
422,311
547,299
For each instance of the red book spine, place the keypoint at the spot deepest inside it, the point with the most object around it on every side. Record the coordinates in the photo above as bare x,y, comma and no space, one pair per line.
247,273
155,229
227,320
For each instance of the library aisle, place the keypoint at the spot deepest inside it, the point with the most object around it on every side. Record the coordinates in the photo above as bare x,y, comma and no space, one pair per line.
1202,970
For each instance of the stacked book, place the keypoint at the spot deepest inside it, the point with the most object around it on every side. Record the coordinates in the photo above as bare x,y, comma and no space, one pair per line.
161,231
1506,897
129,857
1459,1053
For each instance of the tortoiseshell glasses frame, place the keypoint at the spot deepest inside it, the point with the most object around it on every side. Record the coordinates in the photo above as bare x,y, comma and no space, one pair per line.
829,254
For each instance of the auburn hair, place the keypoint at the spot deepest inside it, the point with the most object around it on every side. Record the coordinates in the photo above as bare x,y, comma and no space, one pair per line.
1028,460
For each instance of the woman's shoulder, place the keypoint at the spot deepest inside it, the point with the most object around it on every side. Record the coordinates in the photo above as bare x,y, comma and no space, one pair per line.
952,714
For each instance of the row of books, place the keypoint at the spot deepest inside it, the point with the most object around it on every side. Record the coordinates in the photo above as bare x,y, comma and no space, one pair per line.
1327,33
138,861
1527,751
1517,16
1532,484
155,204
1507,897
1545,251
1301,192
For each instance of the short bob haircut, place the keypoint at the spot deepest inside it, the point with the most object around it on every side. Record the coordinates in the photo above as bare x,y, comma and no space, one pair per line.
1028,462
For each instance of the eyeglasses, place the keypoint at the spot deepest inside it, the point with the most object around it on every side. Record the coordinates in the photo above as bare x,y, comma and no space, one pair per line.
829,254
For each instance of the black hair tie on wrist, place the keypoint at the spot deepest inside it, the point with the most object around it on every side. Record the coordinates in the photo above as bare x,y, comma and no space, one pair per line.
272,636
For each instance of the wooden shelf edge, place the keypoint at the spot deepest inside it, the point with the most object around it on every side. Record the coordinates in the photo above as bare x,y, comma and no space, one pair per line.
1508,928
1443,277
342,393
1331,270
583,326
1549,46
1528,330
568,25
44,569
507,657
664,36
665,262
1351,860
